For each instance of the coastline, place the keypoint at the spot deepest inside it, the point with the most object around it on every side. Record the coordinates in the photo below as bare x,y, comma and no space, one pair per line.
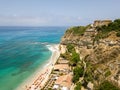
43,72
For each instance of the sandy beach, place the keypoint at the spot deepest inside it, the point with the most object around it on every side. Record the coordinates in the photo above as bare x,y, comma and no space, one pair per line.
37,80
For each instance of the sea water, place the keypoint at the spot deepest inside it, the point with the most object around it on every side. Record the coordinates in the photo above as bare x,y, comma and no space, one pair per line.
23,50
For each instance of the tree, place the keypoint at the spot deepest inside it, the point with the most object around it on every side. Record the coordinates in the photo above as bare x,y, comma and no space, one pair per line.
106,85
70,48
77,72
114,26
117,20
75,78
78,86
118,34
75,58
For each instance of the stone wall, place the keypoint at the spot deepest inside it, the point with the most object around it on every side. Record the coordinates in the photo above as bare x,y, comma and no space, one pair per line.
101,22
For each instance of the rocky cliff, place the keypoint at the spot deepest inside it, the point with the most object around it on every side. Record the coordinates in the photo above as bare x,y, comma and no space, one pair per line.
99,50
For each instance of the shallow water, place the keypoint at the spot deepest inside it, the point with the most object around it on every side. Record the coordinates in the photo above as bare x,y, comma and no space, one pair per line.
23,50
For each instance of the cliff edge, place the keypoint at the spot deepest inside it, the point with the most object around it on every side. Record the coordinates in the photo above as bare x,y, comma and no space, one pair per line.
98,46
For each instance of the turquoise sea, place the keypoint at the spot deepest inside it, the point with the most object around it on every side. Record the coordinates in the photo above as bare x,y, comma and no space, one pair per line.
23,50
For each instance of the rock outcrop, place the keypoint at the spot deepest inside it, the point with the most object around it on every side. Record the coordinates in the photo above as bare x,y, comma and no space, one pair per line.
103,54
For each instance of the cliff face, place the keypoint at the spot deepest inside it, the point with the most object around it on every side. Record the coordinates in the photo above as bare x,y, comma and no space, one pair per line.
102,53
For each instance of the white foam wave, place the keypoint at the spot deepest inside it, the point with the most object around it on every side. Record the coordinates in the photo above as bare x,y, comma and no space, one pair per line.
52,47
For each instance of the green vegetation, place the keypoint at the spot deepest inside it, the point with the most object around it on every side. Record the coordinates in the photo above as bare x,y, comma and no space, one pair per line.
49,88
78,30
71,55
118,34
88,72
70,48
106,85
78,86
104,30
75,58
85,68
114,26
107,73
65,56
78,72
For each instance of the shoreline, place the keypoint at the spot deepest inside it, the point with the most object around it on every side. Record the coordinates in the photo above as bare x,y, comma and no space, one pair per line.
41,75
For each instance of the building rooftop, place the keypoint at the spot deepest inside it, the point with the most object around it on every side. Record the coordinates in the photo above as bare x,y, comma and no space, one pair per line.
61,67
64,81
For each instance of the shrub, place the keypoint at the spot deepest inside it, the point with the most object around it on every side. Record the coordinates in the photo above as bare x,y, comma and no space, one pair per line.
49,88
65,56
107,73
78,86
78,30
106,85
118,34
75,58
70,48
104,30
77,72
75,78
